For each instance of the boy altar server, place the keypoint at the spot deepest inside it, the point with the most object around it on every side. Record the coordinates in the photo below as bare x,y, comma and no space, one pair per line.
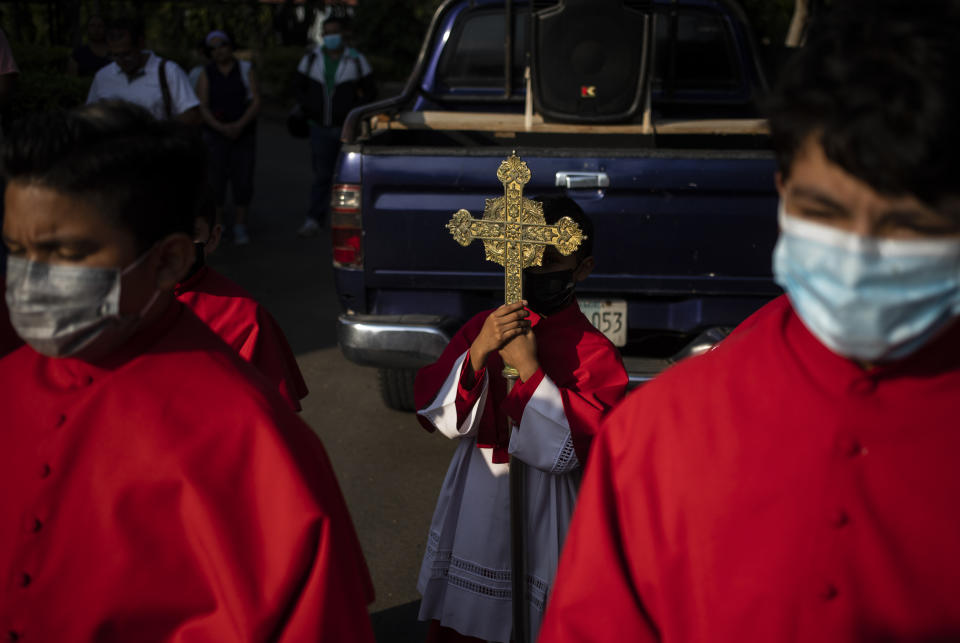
799,482
570,375
155,488
239,319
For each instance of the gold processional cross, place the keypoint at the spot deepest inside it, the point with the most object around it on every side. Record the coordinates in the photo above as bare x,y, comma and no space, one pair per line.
514,232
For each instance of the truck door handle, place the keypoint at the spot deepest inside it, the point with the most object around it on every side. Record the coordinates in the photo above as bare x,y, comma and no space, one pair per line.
579,180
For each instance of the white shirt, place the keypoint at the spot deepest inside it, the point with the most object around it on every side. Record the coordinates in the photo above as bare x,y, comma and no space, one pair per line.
144,90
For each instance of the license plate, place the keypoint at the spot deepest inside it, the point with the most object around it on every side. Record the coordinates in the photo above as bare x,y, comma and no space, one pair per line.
609,316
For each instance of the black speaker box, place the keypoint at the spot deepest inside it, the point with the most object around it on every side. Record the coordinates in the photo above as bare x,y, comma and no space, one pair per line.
588,60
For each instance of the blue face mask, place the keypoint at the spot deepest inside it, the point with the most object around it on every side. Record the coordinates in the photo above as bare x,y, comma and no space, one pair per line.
867,298
332,41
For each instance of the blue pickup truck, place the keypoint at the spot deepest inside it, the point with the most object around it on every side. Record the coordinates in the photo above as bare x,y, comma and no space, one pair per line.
681,195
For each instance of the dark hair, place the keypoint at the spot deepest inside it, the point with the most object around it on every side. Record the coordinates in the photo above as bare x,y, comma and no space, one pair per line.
557,207
143,174
877,84
120,25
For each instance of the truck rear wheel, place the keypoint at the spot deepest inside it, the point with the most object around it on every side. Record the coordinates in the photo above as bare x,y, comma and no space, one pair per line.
396,387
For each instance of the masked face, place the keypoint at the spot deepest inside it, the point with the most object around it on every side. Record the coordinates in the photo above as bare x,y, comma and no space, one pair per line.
550,287
332,36
866,298
63,310
873,277
75,282
548,292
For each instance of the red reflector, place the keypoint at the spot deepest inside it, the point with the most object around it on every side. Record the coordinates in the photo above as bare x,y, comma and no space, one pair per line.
346,226
346,247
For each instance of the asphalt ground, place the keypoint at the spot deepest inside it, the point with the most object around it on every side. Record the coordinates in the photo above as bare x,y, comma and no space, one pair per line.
389,468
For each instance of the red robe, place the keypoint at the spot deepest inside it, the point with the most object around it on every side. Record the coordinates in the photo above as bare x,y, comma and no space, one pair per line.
168,494
772,490
580,360
247,327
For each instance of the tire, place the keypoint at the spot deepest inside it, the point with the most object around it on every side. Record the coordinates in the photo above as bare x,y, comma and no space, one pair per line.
396,387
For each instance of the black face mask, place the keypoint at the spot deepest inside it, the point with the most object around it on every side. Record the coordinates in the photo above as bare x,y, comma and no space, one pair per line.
200,259
548,292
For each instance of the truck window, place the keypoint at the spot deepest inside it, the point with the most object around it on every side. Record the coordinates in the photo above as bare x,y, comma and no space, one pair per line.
474,55
704,57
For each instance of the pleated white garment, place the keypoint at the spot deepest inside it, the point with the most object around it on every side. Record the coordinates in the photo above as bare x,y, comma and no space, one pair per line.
465,578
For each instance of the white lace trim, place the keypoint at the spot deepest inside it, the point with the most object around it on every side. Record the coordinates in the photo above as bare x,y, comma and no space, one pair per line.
478,579
567,458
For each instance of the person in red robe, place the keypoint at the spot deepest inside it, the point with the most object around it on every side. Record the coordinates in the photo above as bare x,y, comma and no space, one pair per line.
155,487
239,319
799,482
570,375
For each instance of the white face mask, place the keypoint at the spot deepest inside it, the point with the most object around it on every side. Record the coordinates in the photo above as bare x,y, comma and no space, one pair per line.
867,298
60,310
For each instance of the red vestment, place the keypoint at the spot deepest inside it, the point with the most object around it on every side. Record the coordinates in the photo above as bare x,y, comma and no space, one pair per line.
583,364
465,577
772,490
247,327
168,494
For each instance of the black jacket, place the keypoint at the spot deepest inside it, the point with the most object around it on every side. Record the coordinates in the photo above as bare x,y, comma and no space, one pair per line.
354,87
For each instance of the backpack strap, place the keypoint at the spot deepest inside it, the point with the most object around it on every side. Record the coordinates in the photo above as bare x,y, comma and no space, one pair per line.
311,58
165,89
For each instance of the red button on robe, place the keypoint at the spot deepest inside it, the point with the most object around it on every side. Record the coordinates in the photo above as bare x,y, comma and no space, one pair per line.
247,327
168,494
771,490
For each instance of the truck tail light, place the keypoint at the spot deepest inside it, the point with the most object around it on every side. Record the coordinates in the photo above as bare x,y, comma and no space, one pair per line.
346,229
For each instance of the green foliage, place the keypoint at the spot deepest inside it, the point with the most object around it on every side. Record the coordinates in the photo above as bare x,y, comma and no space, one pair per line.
277,68
43,84
44,92
390,38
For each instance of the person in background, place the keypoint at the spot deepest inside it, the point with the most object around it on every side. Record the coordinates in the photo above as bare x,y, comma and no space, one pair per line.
799,481
89,58
331,80
229,103
233,314
156,488
139,76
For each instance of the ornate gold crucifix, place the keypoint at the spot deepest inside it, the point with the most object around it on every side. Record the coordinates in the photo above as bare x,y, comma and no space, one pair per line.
513,229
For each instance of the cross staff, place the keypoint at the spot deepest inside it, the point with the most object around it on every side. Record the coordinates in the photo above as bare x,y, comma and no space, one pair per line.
515,234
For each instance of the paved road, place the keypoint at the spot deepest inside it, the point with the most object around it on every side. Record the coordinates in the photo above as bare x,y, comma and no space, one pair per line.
390,470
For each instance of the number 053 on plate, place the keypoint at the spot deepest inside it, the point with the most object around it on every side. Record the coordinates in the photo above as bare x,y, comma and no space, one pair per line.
609,316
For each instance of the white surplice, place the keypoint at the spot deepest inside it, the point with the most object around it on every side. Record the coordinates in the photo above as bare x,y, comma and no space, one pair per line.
465,578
